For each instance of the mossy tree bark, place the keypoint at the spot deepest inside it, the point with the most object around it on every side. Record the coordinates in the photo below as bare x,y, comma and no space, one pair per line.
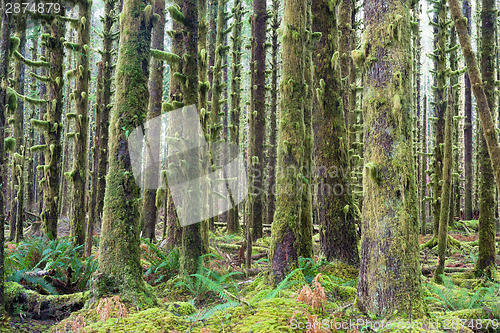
52,125
440,23
423,175
103,107
446,191
78,173
334,203
192,240
120,270
273,110
149,209
30,141
174,231
17,160
468,166
389,277
286,228
233,220
257,122
4,70
345,47
487,203
484,110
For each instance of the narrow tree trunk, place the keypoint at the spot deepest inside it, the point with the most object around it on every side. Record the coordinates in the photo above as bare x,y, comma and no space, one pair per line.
487,203
468,167
445,191
390,269
149,209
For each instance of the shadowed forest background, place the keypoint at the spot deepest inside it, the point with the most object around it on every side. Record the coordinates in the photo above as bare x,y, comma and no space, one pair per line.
369,131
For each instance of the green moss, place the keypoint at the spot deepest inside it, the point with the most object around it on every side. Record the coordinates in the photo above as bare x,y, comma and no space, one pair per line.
9,143
181,308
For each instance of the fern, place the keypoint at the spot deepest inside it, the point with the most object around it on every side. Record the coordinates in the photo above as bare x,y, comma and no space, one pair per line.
285,284
32,280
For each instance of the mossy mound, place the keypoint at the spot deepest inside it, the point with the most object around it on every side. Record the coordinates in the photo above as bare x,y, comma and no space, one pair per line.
340,270
181,308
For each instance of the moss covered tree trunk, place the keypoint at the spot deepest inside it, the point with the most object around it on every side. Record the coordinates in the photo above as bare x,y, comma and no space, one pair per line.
30,141
4,69
257,120
120,270
389,276
468,166
423,175
345,48
487,196
446,191
149,210
18,132
440,32
52,125
273,110
192,239
78,173
286,228
233,221
334,204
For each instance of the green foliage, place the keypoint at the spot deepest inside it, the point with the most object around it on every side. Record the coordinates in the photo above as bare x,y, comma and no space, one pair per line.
207,284
162,266
9,143
450,297
310,268
39,254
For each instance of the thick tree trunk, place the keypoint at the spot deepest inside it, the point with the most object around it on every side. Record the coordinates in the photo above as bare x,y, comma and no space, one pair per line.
286,228
389,277
334,204
120,270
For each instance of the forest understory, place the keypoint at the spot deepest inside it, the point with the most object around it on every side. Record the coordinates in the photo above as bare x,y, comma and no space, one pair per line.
224,297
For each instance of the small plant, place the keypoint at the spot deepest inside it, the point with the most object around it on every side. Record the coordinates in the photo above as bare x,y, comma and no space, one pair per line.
162,266
315,296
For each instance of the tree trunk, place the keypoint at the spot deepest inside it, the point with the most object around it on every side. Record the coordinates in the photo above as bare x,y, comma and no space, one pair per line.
149,209
120,270
389,276
487,203
468,167
286,228
446,191
334,205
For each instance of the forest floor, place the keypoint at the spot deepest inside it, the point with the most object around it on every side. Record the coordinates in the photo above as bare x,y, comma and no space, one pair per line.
223,297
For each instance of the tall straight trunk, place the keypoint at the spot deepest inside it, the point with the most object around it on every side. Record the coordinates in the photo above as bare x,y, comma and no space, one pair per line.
334,204
4,70
468,167
423,175
257,119
454,82
389,276
31,171
120,269
78,173
149,209
345,47
174,231
439,56
271,197
484,110
233,221
192,239
18,155
212,39
286,229
53,126
487,204
446,191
